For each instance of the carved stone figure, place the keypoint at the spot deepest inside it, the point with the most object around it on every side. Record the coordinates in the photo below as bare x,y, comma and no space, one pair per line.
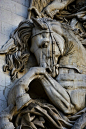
59,76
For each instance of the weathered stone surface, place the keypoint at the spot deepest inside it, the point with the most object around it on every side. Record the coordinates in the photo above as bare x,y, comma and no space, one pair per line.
14,7
2,79
2,97
3,105
3,38
12,12
51,91
23,2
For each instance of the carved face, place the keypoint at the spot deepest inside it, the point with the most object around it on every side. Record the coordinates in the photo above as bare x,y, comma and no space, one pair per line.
41,46
47,44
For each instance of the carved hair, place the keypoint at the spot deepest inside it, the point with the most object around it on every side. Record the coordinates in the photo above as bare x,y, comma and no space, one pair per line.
18,56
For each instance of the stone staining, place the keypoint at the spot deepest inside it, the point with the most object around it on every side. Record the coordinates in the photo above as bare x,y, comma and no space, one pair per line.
51,94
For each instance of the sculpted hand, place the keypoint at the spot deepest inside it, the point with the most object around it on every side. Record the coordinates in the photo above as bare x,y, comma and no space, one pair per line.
55,6
49,12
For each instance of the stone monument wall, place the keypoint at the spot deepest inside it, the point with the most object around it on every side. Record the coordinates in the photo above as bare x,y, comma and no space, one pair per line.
12,12
43,56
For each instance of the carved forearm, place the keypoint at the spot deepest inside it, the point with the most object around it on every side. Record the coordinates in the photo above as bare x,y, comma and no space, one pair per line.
57,94
18,92
55,6
58,5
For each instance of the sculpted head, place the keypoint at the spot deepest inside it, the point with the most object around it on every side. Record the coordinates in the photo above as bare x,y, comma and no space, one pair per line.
45,39
47,42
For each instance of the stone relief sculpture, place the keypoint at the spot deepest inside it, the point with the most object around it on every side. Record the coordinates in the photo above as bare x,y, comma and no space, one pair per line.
52,94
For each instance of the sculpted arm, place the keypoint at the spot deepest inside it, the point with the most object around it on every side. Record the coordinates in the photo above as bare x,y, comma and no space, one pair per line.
56,6
59,5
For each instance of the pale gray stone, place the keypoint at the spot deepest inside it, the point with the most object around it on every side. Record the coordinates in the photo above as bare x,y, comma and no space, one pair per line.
3,39
60,68
6,28
14,7
5,92
2,62
10,17
3,105
21,10
8,5
5,15
23,2
7,81
2,79
2,96
16,19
